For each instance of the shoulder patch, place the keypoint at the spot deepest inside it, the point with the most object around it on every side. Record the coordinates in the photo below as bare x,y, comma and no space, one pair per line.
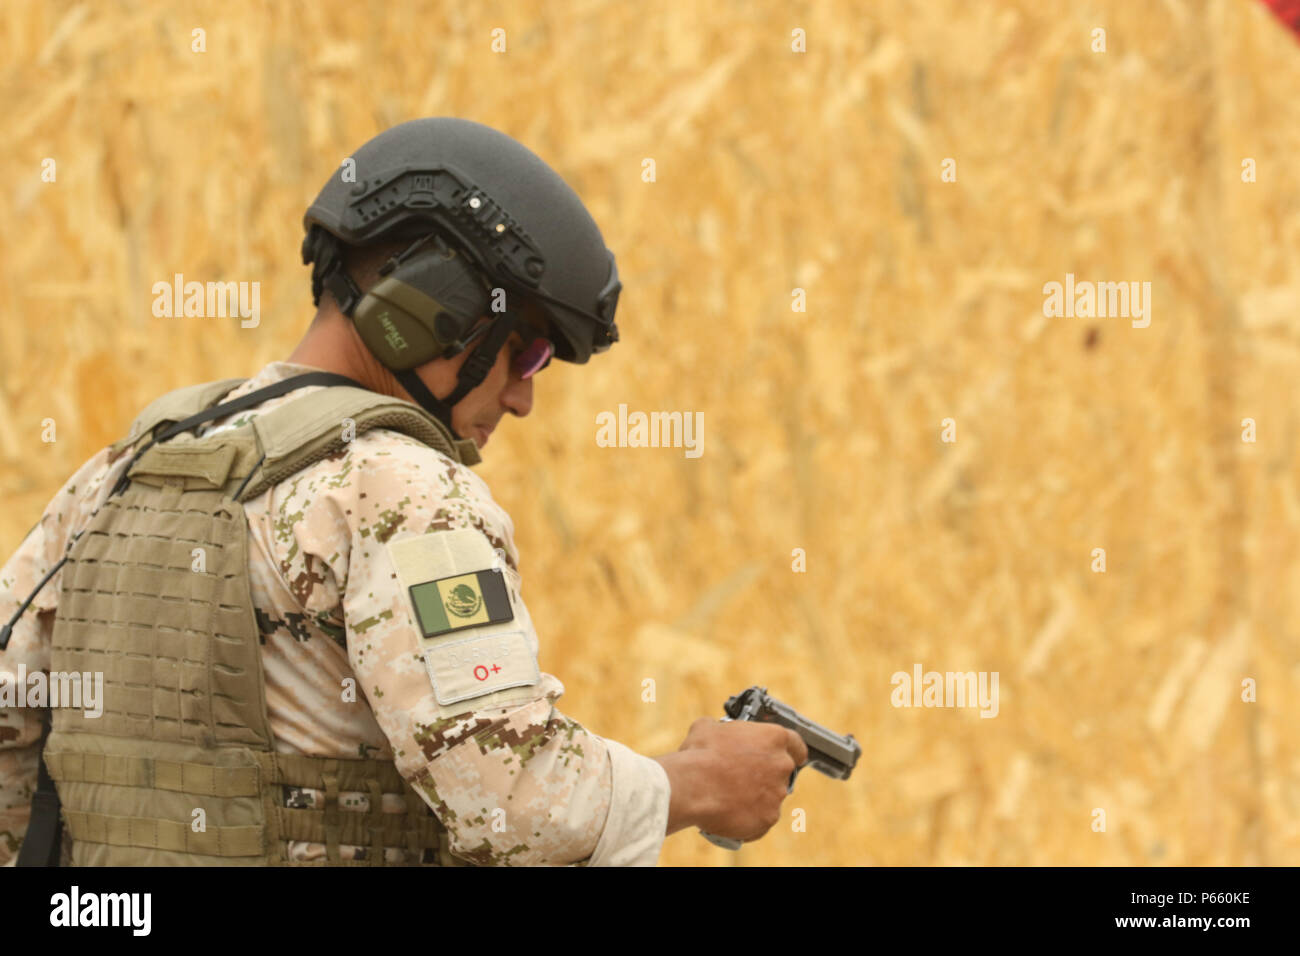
455,584
461,601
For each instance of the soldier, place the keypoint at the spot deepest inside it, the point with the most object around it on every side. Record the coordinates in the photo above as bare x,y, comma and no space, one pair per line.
306,609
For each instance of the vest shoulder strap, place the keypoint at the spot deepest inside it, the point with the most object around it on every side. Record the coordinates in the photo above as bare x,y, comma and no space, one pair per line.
175,406
304,431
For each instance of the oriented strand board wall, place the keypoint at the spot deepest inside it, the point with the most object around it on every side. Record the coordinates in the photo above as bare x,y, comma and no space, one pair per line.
776,170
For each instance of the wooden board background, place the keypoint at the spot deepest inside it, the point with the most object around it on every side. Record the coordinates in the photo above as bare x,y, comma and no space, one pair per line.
778,170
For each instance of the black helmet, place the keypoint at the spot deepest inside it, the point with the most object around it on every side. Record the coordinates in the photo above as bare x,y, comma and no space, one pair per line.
482,212
500,204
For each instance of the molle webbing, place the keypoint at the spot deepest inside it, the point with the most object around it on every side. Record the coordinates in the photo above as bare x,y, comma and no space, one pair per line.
415,829
156,598
144,805
200,779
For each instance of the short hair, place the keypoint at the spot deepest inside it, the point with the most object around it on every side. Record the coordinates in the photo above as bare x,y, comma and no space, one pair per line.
362,263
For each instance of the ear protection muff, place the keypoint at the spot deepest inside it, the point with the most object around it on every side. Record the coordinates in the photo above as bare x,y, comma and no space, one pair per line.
423,306
427,300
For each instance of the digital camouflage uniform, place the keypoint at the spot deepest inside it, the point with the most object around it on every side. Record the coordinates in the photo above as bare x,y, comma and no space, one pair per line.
333,550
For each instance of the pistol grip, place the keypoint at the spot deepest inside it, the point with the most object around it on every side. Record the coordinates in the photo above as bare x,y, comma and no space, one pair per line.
727,843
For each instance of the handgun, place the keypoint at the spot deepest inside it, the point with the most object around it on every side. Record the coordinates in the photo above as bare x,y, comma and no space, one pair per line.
831,753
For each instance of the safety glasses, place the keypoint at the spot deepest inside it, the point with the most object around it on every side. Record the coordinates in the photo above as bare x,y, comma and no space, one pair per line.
533,356
536,353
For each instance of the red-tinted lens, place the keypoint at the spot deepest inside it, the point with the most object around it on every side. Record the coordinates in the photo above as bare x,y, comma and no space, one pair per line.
535,357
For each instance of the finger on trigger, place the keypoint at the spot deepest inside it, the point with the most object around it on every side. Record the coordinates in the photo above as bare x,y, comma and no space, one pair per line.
797,748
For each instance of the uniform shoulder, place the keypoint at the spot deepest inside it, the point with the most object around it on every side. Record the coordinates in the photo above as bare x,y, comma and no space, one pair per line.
67,513
385,452
384,482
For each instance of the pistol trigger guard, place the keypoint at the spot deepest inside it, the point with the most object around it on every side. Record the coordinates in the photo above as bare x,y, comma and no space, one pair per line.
793,773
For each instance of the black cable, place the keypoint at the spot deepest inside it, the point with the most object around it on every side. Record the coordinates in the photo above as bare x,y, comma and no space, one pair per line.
7,631
251,472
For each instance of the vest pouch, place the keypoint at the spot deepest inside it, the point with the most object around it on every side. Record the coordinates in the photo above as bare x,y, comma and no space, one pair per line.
195,466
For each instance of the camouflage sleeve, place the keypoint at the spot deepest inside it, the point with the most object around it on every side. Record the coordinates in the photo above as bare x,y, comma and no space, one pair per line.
455,684
29,645
20,726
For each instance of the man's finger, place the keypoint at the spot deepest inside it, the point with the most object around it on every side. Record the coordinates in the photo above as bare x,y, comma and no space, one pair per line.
795,746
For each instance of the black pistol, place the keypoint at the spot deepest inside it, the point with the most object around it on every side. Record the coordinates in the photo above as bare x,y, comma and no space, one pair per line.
831,753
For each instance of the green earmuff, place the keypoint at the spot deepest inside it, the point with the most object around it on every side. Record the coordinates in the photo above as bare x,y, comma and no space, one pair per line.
422,307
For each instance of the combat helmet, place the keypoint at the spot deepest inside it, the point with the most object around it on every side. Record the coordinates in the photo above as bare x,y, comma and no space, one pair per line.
490,225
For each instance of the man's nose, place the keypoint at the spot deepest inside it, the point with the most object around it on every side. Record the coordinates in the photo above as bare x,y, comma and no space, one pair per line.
518,396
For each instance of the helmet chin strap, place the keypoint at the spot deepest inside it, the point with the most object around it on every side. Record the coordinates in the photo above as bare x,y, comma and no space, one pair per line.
476,367
471,375
425,399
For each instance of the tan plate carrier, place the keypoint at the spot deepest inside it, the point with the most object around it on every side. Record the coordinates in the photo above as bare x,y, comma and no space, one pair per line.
184,725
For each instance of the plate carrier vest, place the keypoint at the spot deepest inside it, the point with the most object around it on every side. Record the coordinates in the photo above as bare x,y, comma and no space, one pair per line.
184,723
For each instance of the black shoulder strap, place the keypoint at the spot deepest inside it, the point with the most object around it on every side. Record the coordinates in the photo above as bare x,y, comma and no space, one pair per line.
45,829
222,409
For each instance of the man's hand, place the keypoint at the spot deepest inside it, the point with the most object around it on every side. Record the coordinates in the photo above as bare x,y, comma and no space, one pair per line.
729,777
